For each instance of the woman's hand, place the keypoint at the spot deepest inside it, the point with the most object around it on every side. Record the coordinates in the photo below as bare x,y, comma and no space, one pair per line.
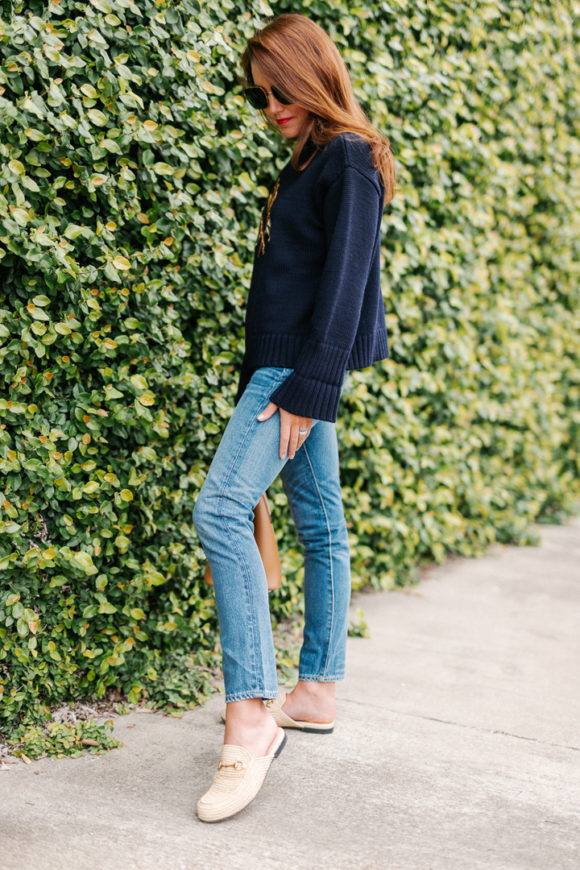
294,430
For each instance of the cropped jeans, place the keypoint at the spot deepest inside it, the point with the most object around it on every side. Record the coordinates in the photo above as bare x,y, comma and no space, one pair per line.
245,464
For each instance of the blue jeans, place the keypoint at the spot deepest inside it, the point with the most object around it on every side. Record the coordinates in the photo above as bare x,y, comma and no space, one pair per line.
245,464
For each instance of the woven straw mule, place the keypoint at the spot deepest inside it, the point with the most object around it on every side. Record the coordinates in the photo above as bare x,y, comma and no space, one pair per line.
239,778
284,721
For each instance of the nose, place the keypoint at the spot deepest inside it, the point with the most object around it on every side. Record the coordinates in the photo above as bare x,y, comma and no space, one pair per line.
273,105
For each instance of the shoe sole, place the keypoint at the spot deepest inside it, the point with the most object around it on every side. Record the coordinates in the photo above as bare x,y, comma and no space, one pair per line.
310,728
299,725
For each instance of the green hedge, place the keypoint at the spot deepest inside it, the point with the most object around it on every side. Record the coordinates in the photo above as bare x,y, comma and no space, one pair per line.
132,178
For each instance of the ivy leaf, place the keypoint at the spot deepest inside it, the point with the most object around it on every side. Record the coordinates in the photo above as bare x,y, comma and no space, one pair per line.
16,167
89,91
84,561
121,263
97,117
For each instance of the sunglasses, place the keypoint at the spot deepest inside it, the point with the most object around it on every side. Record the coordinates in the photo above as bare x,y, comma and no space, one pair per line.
258,97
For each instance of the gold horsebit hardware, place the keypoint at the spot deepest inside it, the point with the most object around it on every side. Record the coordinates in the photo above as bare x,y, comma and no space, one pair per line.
237,765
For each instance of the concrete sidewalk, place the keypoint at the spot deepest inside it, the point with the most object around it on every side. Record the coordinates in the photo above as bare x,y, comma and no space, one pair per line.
457,748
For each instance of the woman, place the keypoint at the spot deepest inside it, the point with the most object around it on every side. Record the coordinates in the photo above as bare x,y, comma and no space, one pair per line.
314,311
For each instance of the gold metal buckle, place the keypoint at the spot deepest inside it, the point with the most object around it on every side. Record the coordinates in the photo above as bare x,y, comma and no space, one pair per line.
237,765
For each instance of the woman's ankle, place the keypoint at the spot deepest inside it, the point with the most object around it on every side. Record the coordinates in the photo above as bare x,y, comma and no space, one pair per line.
316,688
250,710
311,700
249,724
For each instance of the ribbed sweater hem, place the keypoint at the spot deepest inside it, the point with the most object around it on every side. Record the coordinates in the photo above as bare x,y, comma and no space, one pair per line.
282,350
313,390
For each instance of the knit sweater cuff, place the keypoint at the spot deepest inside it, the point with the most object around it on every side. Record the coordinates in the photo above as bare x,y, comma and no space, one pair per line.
308,398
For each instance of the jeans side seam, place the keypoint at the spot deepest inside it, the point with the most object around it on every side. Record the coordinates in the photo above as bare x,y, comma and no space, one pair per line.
332,607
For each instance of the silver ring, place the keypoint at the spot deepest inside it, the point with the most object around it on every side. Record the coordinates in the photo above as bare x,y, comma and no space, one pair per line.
303,431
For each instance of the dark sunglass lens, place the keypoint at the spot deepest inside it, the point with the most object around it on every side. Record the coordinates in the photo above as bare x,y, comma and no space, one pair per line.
282,98
256,97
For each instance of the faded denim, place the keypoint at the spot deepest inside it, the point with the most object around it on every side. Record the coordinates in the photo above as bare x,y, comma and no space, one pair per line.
245,464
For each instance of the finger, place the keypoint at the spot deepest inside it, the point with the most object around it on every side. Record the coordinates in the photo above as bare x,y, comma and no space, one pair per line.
267,412
304,429
294,441
285,430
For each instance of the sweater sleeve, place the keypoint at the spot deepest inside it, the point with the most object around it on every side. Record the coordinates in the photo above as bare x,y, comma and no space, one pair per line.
352,212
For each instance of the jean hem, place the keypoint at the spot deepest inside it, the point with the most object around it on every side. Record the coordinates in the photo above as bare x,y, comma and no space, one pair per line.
263,694
317,678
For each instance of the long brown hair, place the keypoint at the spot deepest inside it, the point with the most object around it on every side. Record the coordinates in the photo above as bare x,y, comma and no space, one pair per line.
301,60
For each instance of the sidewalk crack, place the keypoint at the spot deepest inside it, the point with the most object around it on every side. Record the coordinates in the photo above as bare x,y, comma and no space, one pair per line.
464,725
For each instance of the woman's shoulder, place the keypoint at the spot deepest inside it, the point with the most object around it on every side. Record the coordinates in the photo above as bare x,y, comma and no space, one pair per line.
350,150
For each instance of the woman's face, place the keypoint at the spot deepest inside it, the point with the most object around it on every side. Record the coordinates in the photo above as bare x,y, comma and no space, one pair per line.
289,119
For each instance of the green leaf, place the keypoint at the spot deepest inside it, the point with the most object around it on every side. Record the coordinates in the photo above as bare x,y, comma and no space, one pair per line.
97,117
84,562
73,231
154,578
16,167
121,263
30,105
113,393
139,382
21,216
161,168
137,613
89,91
30,184
39,314
102,5
110,145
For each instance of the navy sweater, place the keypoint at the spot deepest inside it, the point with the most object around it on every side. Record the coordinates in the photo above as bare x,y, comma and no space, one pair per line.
315,302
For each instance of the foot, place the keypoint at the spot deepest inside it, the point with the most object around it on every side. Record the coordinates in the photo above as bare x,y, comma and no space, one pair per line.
311,702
